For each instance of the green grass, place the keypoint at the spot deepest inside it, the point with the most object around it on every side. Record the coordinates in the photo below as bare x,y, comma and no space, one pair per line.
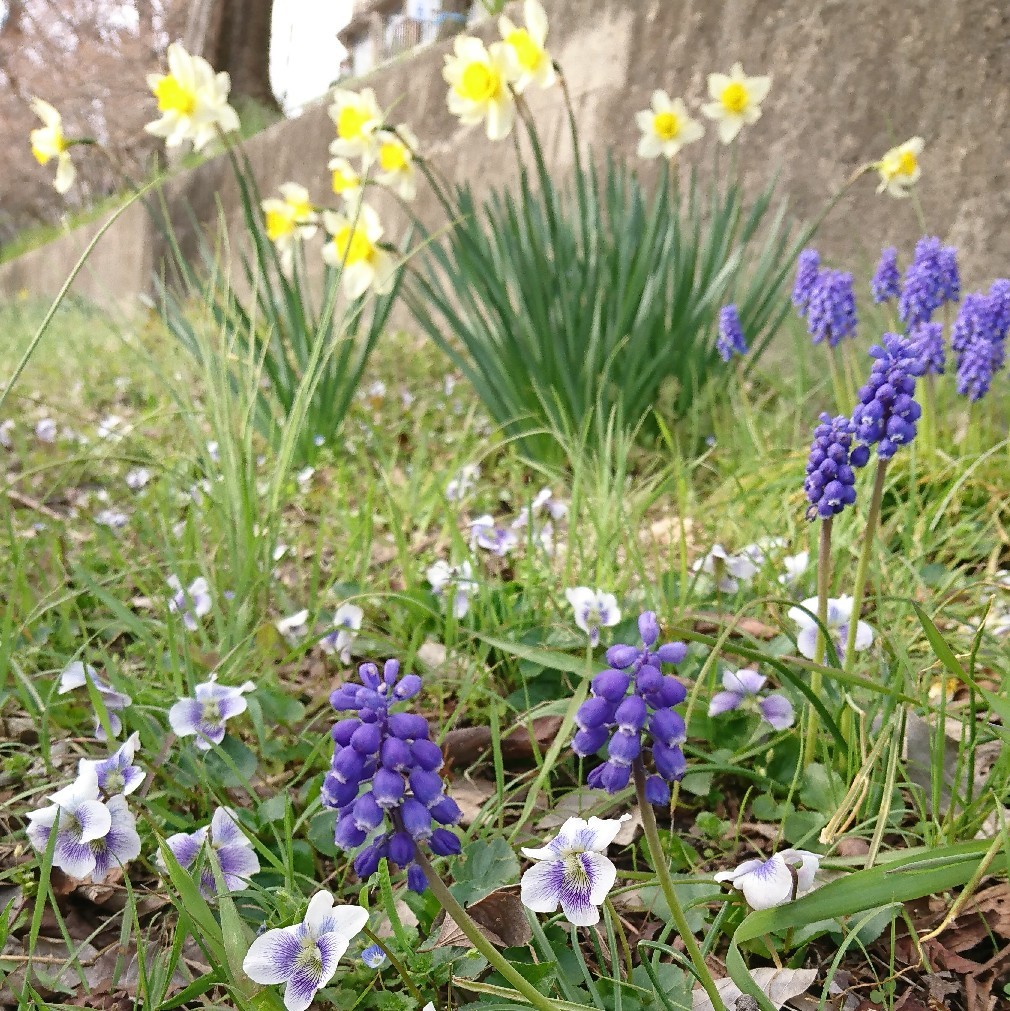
365,527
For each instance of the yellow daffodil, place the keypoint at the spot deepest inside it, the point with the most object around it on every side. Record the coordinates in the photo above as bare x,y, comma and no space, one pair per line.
49,142
346,179
666,127
354,248
394,161
530,46
899,168
356,116
192,100
736,100
480,84
289,219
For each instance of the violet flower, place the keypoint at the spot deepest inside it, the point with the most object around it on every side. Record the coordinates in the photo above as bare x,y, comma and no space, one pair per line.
839,618
631,710
305,956
117,773
232,850
76,675
347,624
742,689
192,603
594,610
777,880
485,534
384,779
442,576
725,570
572,870
205,713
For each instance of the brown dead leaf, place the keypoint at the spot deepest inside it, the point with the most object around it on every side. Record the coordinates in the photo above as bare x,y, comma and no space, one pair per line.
709,624
471,795
500,917
465,746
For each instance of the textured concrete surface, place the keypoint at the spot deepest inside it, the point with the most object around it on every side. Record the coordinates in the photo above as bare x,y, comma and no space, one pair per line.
850,78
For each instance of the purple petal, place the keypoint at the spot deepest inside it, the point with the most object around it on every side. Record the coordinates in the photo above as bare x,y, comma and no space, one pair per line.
231,705
724,702
238,865
273,956
778,711
224,830
72,856
587,881
540,886
746,681
185,846
185,716
301,989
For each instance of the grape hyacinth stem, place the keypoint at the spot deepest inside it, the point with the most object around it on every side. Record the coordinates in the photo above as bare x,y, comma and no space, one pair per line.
669,892
473,934
872,520
823,591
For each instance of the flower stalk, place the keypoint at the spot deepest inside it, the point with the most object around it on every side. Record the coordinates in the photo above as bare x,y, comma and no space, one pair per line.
669,892
858,589
823,591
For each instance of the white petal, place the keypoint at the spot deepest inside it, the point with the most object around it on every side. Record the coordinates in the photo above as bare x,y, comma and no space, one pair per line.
540,886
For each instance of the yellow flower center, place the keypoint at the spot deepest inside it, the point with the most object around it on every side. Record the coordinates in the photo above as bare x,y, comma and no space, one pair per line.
173,97
351,122
344,180
393,156
666,125
735,98
279,224
907,163
479,83
300,209
527,51
353,246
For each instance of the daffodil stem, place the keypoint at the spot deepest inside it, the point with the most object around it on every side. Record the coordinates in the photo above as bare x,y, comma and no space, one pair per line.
823,590
662,869
859,586
463,920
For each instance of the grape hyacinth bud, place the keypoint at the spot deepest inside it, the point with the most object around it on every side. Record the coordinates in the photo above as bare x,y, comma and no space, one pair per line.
831,312
978,339
384,780
808,266
830,481
887,410
731,340
633,723
886,282
931,279
927,339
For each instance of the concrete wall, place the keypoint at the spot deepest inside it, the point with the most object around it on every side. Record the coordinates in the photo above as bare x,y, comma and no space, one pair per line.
850,78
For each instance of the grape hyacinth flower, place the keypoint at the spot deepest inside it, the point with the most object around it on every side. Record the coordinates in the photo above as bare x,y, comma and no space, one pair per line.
347,623
839,618
808,267
594,610
192,603
486,535
631,710
117,773
206,713
305,956
775,881
92,836
931,280
887,411
731,340
572,870
442,576
725,570
927,339
742,689
232,850
831,309
830,481
76,675
384,778
886,282
978,340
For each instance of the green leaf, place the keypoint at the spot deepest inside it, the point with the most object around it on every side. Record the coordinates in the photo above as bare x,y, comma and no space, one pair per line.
489,864
235,768
320,833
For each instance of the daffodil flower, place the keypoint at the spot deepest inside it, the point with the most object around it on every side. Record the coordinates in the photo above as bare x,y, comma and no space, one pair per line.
289,219
666,127
736,101
48,142
353,248
899,168
529,43
356,116
394,158
480,84
345,180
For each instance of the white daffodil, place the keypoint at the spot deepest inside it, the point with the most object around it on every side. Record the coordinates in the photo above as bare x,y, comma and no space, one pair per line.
594,610
480,84
48,142
725,570
736,101
781,878
529,43
289,219
192,100
839,619
899,168
353,249
356,116
666,127
394,159
345,180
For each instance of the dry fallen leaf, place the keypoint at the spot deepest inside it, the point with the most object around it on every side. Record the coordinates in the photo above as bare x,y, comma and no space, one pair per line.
500,917
778,985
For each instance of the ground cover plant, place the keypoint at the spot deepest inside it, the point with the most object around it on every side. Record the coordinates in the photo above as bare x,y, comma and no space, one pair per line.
418,717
